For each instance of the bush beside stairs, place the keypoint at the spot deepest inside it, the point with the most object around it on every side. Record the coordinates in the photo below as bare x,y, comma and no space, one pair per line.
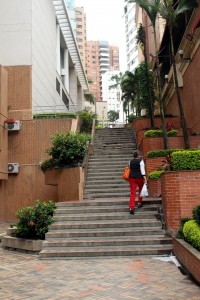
101,225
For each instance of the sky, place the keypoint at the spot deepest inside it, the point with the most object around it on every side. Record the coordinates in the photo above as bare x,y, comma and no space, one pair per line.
105,22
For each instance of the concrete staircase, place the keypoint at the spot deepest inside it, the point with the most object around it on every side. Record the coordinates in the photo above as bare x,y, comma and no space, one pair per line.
101,225
113,148
100,228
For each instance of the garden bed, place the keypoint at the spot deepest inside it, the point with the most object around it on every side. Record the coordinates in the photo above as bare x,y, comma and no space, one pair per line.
189,257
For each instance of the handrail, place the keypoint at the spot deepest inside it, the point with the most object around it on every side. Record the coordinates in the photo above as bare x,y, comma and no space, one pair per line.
90,147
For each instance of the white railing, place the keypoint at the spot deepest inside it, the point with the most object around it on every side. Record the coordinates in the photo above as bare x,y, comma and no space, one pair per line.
108,124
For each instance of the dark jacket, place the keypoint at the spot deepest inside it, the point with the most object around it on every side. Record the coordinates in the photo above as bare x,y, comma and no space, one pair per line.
135,168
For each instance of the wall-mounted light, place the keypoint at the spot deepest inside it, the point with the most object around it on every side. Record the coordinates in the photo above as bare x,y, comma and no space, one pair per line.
181,53
167,79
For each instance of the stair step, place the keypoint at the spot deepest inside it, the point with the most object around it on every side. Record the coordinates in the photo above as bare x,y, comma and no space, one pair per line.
104,232
123,241
108,251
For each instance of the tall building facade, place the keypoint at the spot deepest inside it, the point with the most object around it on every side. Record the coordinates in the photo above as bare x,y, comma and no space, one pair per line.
101,57
81,33
131,32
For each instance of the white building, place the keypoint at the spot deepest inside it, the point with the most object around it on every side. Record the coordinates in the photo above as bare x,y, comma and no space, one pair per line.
131,32
113,95
71,13
37,34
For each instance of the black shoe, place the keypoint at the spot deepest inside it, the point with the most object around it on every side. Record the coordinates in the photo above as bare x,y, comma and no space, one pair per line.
140,205
131,211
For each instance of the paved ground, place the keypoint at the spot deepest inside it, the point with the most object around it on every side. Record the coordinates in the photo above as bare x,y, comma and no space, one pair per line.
23,276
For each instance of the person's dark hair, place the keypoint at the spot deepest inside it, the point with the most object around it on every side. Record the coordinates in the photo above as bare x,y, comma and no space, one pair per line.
135,154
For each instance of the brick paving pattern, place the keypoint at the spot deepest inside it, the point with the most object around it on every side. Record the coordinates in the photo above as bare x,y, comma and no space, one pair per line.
24,276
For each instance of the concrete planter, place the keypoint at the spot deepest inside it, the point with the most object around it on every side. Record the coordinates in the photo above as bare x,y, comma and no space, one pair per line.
188,256
52,177
22,244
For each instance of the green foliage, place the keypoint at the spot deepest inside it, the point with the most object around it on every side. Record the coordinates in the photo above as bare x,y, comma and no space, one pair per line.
186,160
113,115
180,234
196,214
34,220
131,118
142,90
191,232
155,174
55,116
99,126
68,149
86,117
157,153
159,133
89,98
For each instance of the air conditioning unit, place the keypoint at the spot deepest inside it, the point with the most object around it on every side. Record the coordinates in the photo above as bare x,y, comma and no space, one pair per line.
14,126
13,168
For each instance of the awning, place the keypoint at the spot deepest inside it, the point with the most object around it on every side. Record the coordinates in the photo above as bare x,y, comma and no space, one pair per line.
67,31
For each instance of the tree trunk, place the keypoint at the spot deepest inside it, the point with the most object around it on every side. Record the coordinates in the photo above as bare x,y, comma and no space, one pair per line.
165,139
185,134
148,83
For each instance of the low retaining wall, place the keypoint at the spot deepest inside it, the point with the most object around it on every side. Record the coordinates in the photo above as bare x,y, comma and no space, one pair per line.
154,188
22,244
188,256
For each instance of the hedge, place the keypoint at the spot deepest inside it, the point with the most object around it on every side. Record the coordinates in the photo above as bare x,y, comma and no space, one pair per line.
162,153
154,175
185,160
159,133
191,232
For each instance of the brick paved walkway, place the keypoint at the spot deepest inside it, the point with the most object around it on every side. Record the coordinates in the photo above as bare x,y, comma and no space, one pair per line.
23,276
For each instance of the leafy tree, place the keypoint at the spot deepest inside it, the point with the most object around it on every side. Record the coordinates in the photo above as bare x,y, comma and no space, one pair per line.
113,115
117,78
170,13
151,7
141,40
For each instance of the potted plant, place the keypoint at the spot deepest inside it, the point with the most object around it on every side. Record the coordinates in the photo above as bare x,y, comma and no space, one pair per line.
29,231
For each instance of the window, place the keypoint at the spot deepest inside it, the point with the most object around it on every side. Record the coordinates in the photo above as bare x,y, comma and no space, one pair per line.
57,86
65,99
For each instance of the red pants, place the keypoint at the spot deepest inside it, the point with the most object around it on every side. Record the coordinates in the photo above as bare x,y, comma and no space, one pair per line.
134,182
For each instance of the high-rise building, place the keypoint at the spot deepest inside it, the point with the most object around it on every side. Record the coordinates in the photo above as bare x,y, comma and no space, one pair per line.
81,33
101,57
131,32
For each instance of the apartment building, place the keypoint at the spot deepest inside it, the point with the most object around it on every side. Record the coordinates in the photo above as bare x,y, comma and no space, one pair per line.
40,72
131,32
81,33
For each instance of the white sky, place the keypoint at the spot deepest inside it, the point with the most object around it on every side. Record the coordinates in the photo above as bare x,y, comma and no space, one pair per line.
105,22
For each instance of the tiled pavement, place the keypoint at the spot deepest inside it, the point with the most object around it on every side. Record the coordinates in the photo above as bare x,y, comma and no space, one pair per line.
23,276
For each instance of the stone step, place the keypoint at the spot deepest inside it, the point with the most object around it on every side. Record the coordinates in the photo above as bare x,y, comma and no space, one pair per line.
107,188
96,242
105,224
104,232
74,252
104,216
106,181
110,195
102,209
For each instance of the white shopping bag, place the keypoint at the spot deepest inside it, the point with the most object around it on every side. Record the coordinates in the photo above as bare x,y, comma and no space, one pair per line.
144,191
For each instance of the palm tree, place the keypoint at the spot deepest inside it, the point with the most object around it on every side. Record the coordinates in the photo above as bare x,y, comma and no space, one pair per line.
151,7
117,78
141,40
170,14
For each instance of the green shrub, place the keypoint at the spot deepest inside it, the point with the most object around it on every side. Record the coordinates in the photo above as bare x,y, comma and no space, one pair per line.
186,160
68,149
155,174
131,118
180,234
196,214
55,116
34,220
159,133
191,232
172,132
86,118
157,153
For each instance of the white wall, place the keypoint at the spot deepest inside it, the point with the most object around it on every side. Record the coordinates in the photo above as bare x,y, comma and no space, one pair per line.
15,32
